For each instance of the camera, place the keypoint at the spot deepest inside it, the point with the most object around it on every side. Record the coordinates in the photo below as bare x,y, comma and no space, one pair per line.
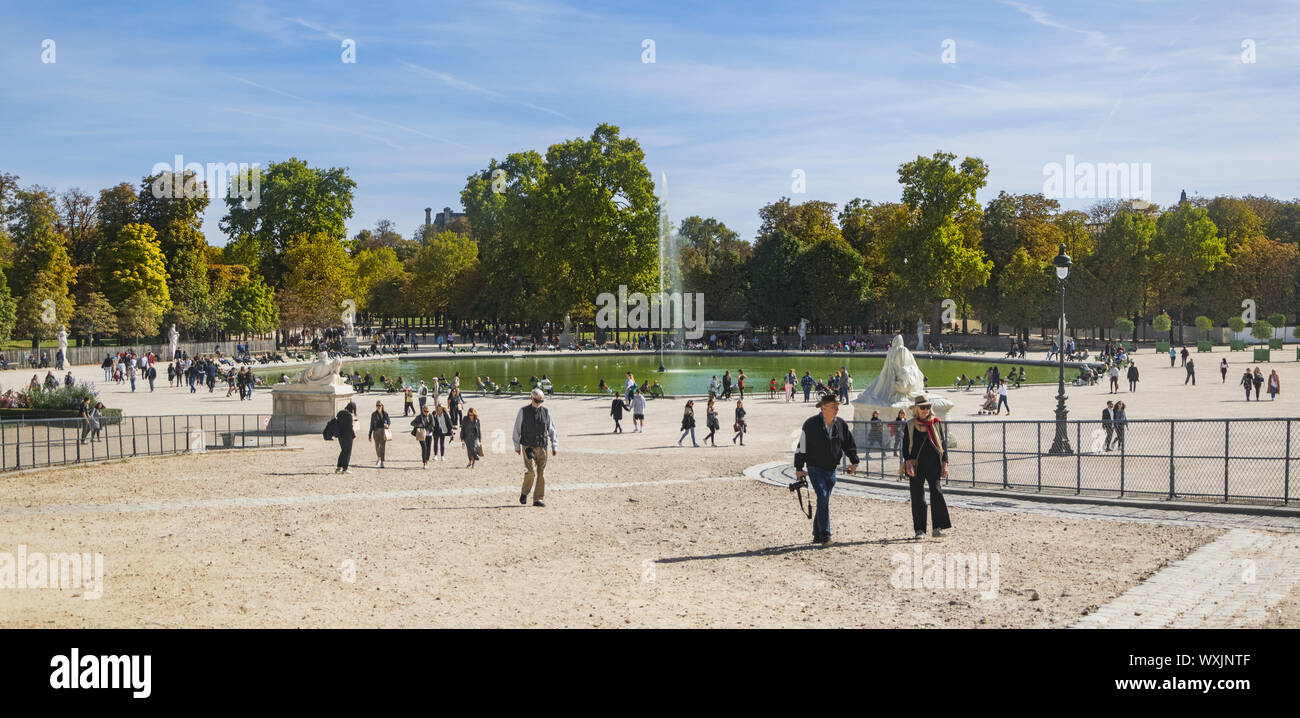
798,484
528,451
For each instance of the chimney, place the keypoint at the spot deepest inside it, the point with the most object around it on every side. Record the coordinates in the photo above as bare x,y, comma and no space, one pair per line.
427,219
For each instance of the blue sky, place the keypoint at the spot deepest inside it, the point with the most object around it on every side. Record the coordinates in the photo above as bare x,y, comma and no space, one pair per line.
740,94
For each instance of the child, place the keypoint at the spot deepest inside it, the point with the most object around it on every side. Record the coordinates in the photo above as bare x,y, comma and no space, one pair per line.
616,411
771,389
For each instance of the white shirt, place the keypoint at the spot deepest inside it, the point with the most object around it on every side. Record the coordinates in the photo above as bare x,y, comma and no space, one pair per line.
1002,390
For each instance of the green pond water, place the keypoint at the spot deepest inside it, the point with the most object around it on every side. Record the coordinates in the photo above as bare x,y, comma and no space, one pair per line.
686,374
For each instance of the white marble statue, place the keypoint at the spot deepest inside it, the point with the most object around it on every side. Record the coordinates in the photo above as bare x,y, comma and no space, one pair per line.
803,331
321,372
900,381
63,341
173,339
921,327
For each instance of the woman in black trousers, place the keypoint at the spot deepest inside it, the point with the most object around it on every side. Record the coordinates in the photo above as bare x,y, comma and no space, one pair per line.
347,433
423,432
454,402
379,423
441,430
925,460
471,434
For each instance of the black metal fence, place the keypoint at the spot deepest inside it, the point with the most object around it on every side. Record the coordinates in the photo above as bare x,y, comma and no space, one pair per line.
1227,460
55,442
23,358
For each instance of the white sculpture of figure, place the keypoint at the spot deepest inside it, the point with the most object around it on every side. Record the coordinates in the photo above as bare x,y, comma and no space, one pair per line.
349,324
920,335
173,338
63,342
900,380
803,331
323,371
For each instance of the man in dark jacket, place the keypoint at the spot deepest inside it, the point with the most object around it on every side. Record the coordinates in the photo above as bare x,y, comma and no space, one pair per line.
823,440
1132,377
346,434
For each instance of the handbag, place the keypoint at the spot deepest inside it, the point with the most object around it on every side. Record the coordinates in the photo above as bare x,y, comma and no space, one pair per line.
480,449
388,434
420,434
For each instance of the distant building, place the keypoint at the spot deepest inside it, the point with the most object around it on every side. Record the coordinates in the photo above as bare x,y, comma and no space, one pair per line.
444,218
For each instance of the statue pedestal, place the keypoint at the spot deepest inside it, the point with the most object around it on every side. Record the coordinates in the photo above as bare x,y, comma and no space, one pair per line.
350,344
305,409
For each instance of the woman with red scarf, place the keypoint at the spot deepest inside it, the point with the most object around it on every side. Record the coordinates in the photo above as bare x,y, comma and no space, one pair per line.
925,460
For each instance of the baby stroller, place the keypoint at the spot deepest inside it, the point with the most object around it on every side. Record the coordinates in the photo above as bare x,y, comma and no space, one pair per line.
990,402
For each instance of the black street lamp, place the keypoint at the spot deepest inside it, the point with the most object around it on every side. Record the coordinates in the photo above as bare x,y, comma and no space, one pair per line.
1061,444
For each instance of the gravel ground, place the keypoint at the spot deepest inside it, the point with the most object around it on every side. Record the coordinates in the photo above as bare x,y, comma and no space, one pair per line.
636,532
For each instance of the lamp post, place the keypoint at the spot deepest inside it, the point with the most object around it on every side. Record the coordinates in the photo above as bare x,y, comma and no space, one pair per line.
1061,444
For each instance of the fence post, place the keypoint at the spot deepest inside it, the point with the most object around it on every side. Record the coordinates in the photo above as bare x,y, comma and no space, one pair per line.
972,454
1038,452
1226,424
1121,469
134,450
1004,455
1078,458
1171,459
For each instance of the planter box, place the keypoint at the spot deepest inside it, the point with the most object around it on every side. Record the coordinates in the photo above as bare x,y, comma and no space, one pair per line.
1237,345
1204,346
1261,354
1162,347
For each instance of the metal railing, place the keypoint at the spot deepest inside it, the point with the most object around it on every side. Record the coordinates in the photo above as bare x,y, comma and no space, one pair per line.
1223,460
18,358
26,444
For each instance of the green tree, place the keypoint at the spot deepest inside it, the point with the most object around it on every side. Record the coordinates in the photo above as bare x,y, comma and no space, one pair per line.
1186,248
8,310
1236,324
1234,219
250,308
95,317
173,204
1263,330
136,265
778,293
41,267
320,277
295,200
1162,323
378,269
1124,325
1205,325
502,203
138,316
440,267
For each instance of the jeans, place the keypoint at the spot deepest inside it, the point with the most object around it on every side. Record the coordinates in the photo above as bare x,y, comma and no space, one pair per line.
690,431
822,482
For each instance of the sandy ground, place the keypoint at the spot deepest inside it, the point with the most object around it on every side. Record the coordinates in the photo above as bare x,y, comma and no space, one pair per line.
636,532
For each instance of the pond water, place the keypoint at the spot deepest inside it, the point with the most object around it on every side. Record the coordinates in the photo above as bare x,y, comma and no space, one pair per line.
685,374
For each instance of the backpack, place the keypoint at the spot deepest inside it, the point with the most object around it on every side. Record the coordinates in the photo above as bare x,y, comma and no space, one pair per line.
331,429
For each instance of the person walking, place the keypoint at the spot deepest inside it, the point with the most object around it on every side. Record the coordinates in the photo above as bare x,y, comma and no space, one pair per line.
1247,381
1274,385
875,434
638,411
688,422
807,383
407,406
896,428
86,420
1132,377
1173,355
616,411
1258,381
740,425
1191,371
441,430
1108,422
454,403
1121,423
347,433
380,432
712,422
790,380
1002,398
423,391
823,439
1183,356
423,433
471,435
1223,370
130,375
925,461
534,428
1114,378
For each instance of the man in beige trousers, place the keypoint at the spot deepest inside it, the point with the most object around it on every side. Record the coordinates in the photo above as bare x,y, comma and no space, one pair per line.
534,427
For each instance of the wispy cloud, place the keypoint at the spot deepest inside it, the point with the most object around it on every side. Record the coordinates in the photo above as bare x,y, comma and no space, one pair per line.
465,86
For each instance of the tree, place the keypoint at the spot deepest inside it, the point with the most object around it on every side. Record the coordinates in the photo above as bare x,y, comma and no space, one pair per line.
1120,265
1124,325
1162,323
1186,248
136,265
79,225
808,222
295,201
94,317
708,237
939,256
138,316
1234,219
1278,320
175,215
1263,330
1205,324
1236,324
116,208
320,277
778,297
873,229
440,267
378,268
1027,293
41,267
501,203
8,310
250,308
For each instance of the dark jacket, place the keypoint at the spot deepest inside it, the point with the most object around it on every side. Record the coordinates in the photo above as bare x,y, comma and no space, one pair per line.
916,441
616,408
688,420
1132,372
817,449
378,420
470,431
345,425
